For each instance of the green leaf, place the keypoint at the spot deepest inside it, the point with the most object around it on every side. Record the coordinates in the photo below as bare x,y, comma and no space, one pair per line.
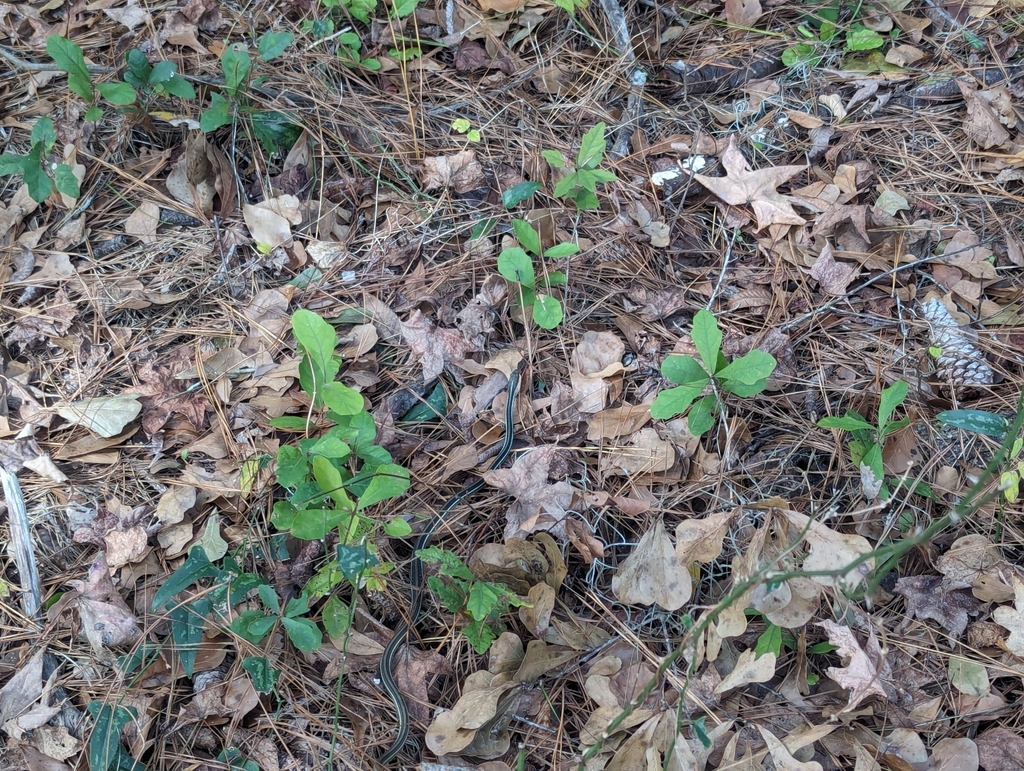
179,87
11,164
451,596
117,93
319,366
397,528
675,401
341,399
527,236
601,175
371,64
268,595
187,632
160,72
554,157
892,397
770,641
684,369
547,311
105,750
39,184
276,131
976,421
562,250
44,132
69,58
482,599
860,38
389,481
586,200
555,278
362,9
195,568
330,445
592,148
450,563
93,114
873,460
744,389
354,560
139,69
821,648
304,634
515,265
272,44
851,421
262,675
219,113
707,337
337,618
67,182
291,423
402,8
315,524
292,466
434,406
567,185
702,416
519,193
253,625
480,635
236,64
968,677
749,368
331,481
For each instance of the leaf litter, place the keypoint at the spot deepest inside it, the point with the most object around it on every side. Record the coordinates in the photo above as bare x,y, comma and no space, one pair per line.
857,218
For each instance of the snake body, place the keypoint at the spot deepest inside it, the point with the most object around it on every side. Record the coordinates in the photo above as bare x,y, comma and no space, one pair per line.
401,635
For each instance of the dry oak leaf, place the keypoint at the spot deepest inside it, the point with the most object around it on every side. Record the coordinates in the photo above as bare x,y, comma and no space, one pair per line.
833,277
461,171
652,574
107,621
742,13
750,668
863,672
647,453
742,186
434,346
162,394
540,504
454,730
1013,619
598,356
932,597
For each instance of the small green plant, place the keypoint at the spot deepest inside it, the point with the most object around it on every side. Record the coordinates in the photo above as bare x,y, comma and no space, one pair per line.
463,126
821,34
516,265
160,79
254,624
36,168
483,602
70,59
579,185
106,753
745,376
273,129
349,45
867,440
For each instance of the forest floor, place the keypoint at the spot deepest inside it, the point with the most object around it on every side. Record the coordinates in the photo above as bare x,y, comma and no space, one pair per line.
747,275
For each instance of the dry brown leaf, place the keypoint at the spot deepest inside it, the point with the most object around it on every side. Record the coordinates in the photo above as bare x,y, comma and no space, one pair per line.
434,346
1000,749
830,550
932,597
618,421
700,540
833,277
452,731
982,123
742,186
19,710
651,574
647,453
598,356
540,505
461,171
1013,619
750,668
955,755
863,671
782,757
106,619
143,222
743,13
106,416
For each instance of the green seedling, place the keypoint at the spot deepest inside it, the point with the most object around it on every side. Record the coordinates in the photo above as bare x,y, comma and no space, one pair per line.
255,623
334,477
160,79
68,57
745,376
579,185
821,36
867,440
349,45
483,602
39,174
463,126
516,265
273,129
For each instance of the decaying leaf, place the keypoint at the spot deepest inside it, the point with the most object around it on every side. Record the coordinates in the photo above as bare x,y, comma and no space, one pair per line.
700,540
750,668
1013,619
833,276
931,597
864,669
597,357
540,504
651,574
103,415
831,551
106,619
647,453
462,172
